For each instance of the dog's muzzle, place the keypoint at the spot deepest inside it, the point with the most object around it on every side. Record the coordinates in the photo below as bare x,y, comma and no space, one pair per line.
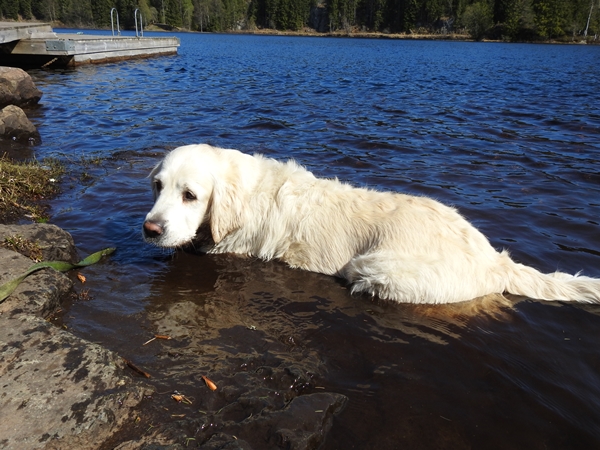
153,230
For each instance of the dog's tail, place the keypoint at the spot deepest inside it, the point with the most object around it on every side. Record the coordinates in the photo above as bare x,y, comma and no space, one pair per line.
527,281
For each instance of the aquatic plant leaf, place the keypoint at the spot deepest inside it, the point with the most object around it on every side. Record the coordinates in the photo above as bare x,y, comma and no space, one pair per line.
62,266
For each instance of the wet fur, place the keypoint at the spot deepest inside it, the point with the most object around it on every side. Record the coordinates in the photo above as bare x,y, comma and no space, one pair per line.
395,246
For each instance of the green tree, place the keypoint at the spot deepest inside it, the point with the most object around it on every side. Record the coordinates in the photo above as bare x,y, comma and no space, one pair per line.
10,9
25,9
187,12
584,17
401,15
279,14
477,19
172,13
45,9
430,11
371,14
342,14
550,17
101,13
79,13
517,17
149,12
206,14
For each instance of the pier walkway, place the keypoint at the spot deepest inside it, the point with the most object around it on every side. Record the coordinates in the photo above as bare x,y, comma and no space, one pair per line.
37,45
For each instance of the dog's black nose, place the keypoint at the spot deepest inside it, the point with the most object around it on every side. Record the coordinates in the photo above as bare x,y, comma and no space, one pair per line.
152,229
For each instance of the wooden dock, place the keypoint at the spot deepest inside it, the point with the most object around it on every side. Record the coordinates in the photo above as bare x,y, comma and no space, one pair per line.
37,45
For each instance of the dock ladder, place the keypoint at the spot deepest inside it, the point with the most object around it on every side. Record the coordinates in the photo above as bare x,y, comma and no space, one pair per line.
135,15
112,24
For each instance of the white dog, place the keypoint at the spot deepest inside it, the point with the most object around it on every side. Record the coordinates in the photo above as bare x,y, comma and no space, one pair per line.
395,246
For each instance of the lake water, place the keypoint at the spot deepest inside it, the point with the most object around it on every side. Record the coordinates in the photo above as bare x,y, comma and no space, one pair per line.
508,133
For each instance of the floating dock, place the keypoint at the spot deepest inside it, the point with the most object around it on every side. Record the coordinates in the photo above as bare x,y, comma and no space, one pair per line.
37,45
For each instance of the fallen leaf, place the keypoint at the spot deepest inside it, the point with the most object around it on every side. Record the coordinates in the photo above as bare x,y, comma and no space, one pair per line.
81,278
212,386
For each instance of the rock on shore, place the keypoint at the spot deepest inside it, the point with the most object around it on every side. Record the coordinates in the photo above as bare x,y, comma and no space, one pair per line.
17,89
57,390
15,124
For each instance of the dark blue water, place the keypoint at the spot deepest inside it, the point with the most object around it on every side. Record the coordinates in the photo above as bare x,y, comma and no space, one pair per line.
508,133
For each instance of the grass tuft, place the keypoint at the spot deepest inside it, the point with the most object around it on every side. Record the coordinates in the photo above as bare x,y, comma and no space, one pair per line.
24,246
25,185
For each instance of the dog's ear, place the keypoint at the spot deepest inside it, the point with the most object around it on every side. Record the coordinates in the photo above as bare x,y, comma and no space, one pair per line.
151,176
226,208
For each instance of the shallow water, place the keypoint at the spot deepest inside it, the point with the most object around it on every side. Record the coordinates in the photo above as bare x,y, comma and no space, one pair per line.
509,134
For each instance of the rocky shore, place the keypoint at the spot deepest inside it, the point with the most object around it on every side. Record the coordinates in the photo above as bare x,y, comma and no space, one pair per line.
63,392
17,90
58,391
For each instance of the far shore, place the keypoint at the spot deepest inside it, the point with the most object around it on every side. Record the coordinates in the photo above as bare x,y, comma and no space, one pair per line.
309,32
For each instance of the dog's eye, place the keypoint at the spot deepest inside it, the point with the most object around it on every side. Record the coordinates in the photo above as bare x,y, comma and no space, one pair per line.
157,186
189,196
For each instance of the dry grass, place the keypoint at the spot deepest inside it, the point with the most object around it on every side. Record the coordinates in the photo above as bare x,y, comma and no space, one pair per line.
24,186
24,246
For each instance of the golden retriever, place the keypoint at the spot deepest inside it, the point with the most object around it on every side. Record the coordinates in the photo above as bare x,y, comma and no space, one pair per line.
395,246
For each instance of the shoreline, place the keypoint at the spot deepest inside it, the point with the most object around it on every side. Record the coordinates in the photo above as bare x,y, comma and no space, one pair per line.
310,32
68,392
74,393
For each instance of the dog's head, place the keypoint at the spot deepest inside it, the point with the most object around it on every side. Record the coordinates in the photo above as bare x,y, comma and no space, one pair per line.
195,186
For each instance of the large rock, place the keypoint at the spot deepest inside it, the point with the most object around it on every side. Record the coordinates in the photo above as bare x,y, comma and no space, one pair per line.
54,243
15,124
17,88
58,391
41,293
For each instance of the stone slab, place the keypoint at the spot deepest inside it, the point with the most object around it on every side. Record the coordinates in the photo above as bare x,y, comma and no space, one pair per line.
56,390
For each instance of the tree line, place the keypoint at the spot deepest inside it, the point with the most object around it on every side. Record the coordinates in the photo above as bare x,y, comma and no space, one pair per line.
497,19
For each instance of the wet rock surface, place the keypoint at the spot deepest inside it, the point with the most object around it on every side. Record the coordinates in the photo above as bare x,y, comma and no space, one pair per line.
57,390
